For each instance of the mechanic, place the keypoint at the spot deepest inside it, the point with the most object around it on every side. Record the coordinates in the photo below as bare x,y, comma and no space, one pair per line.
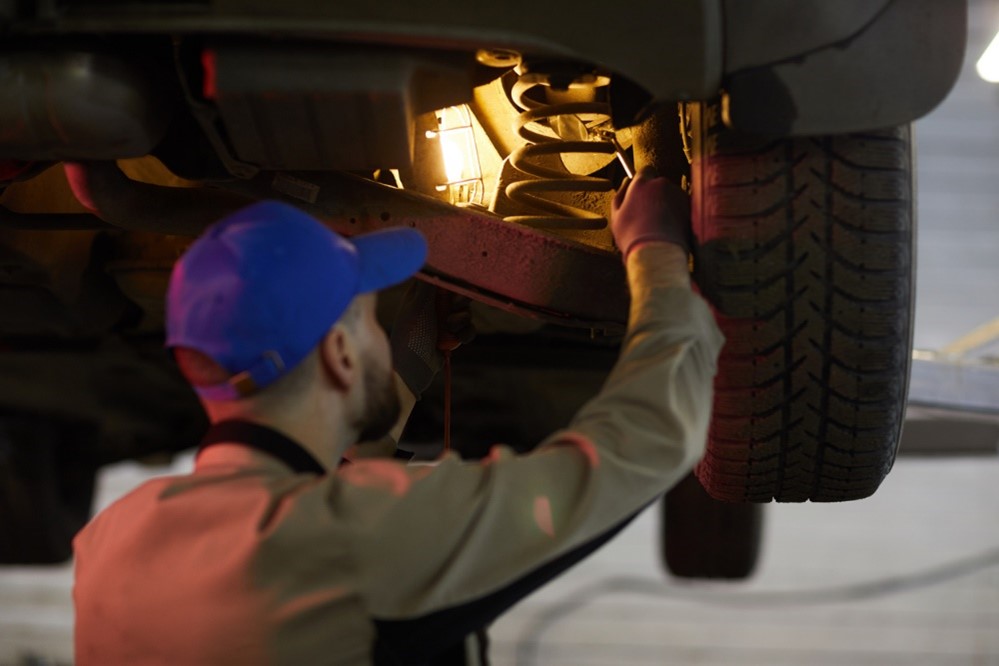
273,552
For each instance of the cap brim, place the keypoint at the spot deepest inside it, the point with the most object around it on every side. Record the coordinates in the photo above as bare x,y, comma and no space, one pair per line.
388,257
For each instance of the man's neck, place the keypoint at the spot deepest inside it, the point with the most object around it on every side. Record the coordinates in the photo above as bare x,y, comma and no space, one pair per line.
323,440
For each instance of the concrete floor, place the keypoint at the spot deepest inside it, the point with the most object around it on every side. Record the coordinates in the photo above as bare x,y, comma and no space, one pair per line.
909,576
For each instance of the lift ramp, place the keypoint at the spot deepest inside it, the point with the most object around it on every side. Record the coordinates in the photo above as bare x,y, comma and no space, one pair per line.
953,406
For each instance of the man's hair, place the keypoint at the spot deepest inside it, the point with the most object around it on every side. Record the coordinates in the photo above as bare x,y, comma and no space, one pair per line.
351,315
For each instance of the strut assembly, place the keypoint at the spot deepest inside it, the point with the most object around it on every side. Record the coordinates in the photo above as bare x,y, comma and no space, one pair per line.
556,129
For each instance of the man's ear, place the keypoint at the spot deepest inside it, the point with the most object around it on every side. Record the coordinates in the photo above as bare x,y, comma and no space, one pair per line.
338,356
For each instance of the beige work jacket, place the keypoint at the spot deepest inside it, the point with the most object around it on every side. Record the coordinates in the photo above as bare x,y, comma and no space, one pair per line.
246,562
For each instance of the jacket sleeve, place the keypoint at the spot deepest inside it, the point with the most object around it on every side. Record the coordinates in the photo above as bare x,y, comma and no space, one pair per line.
462,541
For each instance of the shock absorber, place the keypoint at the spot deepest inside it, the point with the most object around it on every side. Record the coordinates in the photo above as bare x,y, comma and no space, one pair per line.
554,130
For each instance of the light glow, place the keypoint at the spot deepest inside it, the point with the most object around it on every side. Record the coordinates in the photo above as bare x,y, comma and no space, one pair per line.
454,157
988,64
461,158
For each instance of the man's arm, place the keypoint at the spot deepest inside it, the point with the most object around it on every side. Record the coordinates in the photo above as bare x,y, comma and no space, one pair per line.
446,549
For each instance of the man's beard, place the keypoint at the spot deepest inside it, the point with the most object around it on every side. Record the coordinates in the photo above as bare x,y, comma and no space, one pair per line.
381,408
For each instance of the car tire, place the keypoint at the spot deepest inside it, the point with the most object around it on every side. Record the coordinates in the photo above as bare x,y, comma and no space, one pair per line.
702,537
805,248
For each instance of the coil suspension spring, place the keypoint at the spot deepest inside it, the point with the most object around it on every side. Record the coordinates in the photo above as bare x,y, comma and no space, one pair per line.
544,126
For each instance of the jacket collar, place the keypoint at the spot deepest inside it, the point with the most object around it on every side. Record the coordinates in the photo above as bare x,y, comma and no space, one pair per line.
262,438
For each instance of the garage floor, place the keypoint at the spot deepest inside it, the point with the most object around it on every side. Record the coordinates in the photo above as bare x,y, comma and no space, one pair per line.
909,576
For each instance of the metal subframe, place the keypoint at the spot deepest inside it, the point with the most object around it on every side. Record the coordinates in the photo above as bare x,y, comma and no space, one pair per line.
516,268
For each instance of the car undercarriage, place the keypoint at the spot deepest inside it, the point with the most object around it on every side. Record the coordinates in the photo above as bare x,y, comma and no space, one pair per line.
501,134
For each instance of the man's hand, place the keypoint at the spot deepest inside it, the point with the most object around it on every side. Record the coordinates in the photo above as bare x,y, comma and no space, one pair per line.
650,209
427,318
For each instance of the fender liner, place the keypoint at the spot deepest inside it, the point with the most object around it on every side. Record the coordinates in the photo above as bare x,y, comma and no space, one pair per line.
895,70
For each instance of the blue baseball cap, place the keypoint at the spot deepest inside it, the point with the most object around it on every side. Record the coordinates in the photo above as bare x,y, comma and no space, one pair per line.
258,290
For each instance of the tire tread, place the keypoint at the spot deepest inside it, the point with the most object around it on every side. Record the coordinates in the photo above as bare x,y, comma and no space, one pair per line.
805,252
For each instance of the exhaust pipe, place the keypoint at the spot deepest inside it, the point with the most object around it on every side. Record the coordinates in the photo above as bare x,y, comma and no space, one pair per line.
128,204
